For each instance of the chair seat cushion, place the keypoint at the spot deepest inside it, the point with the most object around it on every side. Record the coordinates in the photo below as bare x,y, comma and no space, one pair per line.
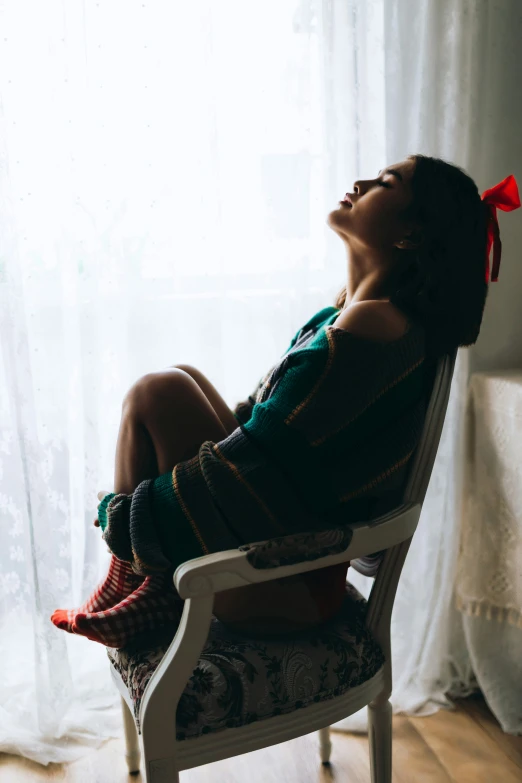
240,679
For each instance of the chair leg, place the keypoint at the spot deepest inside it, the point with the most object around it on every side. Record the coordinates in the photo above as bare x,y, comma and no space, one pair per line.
325,746
162,771
380,739
132,744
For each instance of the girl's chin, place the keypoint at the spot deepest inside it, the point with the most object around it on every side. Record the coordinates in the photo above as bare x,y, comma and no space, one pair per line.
337,216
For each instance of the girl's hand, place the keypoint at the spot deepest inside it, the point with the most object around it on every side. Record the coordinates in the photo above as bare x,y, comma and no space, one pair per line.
101,495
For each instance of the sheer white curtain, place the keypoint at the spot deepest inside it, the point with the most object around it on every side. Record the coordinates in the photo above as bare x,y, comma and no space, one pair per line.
165,175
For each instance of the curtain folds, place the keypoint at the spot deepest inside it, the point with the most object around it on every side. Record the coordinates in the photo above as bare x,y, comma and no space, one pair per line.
165,176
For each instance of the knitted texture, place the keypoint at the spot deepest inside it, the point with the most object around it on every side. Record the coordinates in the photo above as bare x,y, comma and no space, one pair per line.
325,439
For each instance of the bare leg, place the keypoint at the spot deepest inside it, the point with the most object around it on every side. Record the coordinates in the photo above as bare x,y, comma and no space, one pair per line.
226,416
165,419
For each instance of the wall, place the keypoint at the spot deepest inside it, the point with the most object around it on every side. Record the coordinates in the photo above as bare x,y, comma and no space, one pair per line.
500,341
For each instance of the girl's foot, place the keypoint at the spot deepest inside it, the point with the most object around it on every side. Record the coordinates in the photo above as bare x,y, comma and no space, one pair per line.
153,604
120,582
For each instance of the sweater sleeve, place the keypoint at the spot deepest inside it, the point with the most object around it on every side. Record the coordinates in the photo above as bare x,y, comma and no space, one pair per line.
148,528
243,410
102,509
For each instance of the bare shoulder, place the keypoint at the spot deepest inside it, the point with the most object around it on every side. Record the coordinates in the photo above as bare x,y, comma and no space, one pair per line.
373,320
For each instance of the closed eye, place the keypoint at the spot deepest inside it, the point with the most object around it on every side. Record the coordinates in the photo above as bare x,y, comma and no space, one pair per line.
384,184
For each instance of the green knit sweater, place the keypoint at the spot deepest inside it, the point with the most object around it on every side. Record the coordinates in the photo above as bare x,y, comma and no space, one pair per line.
325,439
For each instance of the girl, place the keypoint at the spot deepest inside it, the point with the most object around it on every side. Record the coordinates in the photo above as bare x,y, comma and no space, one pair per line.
328,435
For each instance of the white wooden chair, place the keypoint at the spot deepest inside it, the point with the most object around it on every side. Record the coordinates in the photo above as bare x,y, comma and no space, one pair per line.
198,580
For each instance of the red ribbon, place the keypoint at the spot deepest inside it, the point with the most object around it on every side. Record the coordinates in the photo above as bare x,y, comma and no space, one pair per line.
504,196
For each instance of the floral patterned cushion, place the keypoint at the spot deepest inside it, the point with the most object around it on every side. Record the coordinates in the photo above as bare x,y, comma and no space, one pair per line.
240,679
298,547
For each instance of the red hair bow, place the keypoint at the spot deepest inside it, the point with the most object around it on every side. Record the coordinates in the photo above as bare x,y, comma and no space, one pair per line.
504,196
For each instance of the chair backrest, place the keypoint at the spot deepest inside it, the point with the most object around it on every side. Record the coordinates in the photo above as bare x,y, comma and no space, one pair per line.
424,458
422,462
387,567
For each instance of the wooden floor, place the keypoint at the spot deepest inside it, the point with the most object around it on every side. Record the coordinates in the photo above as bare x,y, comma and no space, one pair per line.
462,746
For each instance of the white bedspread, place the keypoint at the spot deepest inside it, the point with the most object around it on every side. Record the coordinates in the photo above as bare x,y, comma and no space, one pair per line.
489,574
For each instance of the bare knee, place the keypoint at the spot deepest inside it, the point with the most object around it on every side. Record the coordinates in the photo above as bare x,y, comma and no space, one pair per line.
185,367
176,414
155,388
194,373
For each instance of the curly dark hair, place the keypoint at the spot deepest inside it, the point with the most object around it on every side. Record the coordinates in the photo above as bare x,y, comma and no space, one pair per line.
444,286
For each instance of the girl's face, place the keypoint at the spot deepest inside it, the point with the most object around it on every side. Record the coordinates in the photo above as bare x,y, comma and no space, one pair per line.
372,217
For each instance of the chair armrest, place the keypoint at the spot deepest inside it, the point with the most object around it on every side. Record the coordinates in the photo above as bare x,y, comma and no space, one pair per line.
294,554
202,577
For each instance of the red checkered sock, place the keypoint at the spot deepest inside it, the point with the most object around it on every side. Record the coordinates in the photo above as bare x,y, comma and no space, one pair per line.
120,582
153,604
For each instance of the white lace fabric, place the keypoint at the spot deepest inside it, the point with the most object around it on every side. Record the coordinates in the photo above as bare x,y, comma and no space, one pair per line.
489,572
